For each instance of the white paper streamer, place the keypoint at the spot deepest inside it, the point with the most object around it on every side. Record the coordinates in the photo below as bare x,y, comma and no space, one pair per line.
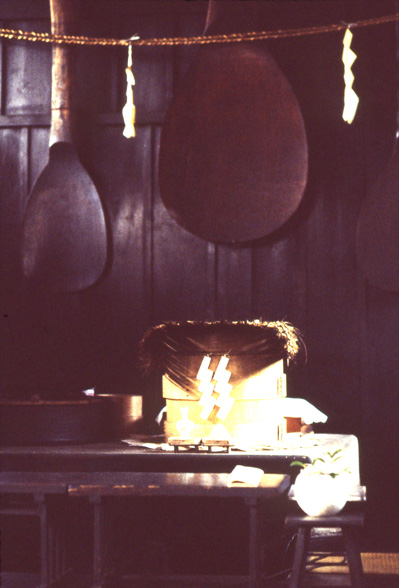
223,401
129,110
351,100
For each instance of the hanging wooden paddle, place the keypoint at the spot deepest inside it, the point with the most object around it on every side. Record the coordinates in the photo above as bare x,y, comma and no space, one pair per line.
377,239
233,156
64,241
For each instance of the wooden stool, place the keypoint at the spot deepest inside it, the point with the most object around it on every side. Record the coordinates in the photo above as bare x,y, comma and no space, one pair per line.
349,523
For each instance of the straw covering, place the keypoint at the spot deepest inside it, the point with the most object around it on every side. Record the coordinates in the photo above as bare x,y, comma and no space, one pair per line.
171,346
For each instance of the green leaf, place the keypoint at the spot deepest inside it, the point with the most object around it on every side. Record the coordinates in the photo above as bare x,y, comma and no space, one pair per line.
298,463
332,454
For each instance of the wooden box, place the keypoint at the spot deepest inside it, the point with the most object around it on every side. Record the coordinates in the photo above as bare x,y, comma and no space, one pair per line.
249,421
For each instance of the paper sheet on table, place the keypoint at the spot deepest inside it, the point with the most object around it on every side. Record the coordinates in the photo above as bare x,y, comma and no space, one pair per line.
138,443
249,476
297,408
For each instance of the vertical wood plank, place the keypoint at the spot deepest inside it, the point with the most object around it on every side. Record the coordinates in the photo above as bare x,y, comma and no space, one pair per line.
13,154
190,23
24,9
96,66
38,152
380,411
279,277
13,191
1,72
13,195
280,289
234,283
184,270
28,72
116,310
332,323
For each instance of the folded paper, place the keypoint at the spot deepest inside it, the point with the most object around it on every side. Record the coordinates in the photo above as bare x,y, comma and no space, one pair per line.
247,475
221,387
129,110
351,100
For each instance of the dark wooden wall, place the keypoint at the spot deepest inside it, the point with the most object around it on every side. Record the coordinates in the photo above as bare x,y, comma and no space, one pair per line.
306,273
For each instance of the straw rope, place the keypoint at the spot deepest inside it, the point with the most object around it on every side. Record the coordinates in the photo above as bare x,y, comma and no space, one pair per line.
31,36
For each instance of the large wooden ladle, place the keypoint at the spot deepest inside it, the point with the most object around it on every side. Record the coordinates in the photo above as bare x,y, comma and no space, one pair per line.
64,240
233,157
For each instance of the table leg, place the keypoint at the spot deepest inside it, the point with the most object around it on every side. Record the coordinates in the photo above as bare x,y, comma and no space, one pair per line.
44,552
98,543
57,550
59,562
51,535
254,551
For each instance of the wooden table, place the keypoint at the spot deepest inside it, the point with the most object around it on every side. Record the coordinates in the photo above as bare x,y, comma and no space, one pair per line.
57,467
118,456
99,486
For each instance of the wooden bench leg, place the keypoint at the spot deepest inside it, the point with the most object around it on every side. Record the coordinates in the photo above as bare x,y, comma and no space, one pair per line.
98,544
58,533
300,557
44,540
254,551
354,558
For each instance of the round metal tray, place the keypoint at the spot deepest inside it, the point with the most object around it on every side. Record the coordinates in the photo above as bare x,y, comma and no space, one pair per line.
91,420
